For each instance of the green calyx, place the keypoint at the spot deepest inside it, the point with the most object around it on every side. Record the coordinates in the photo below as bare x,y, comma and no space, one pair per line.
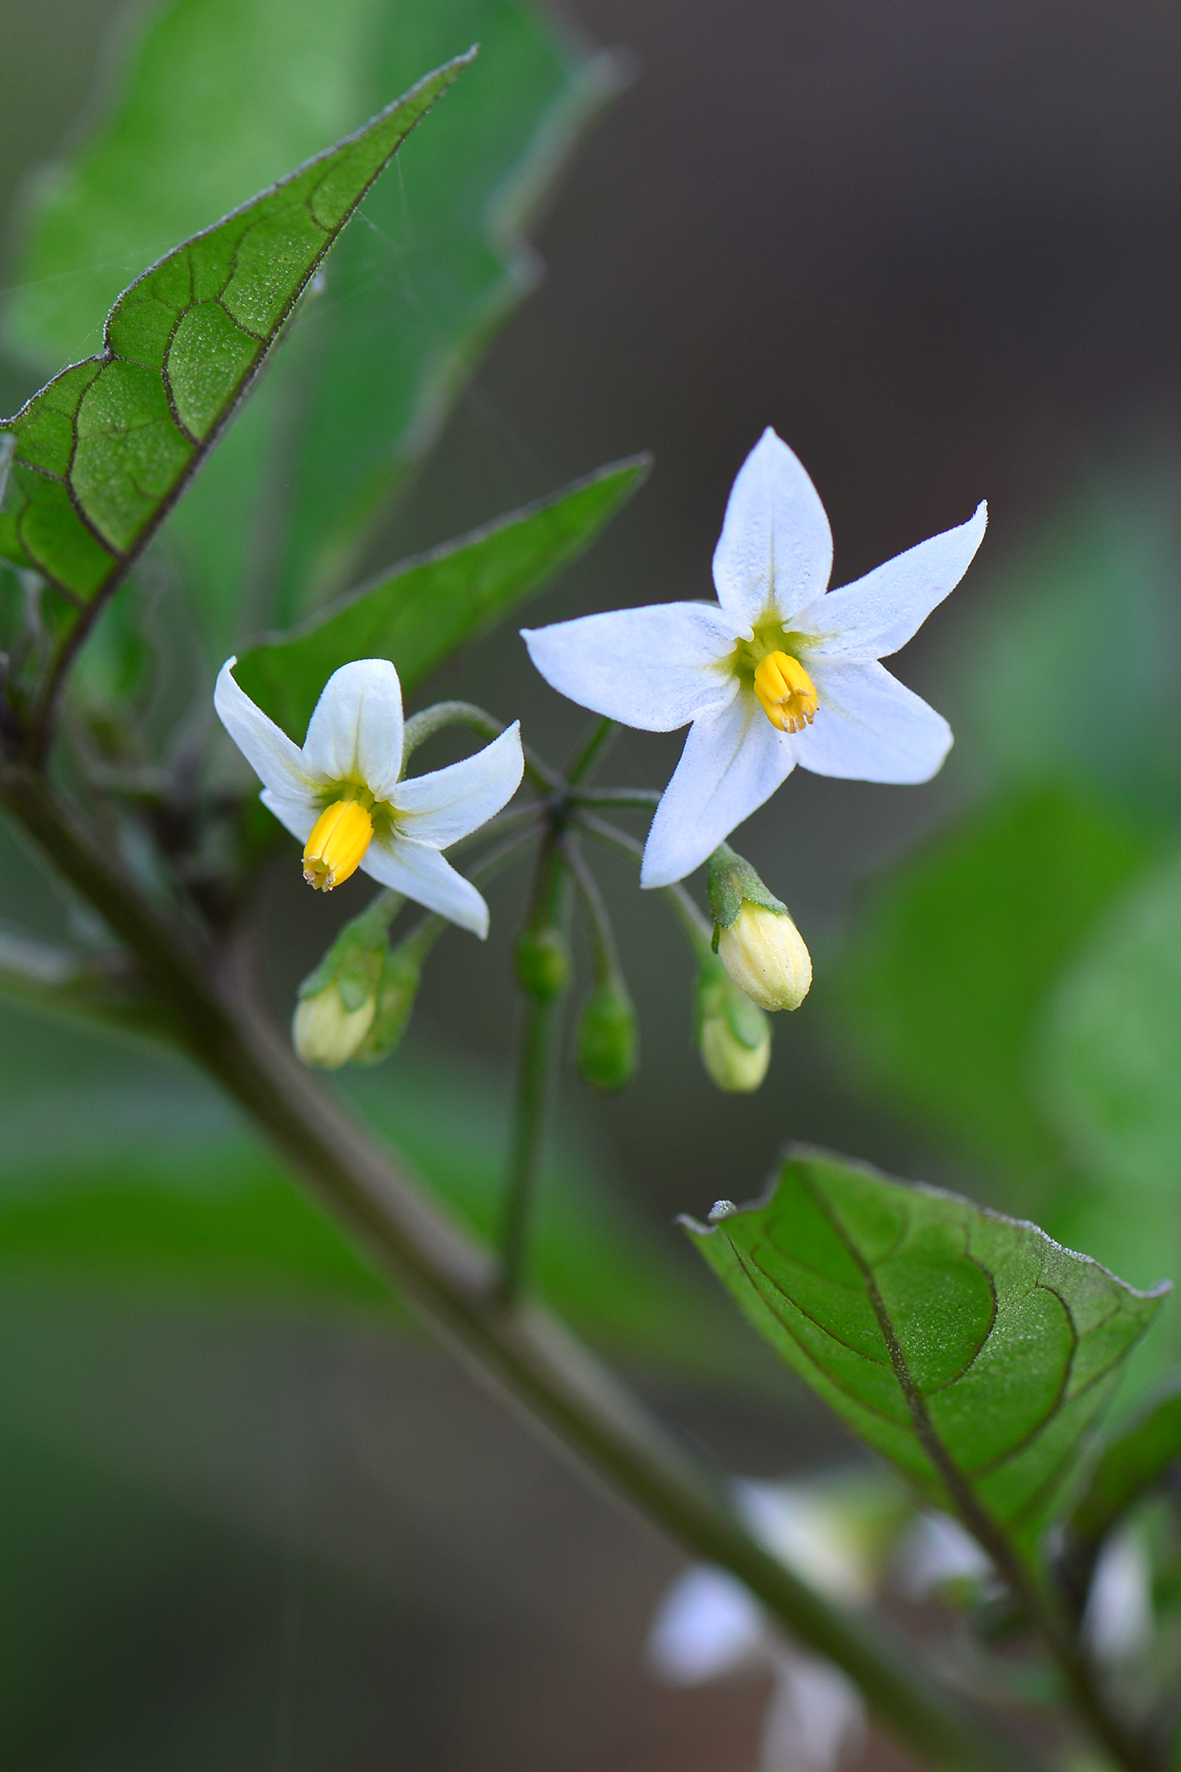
607,1038
732,882
542,962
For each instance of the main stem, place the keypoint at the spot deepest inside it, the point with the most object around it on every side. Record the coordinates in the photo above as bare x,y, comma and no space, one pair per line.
522,1350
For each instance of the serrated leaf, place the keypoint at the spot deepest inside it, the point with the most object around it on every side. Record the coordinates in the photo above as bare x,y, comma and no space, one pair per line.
218,98
1135,1455
102,453
968,1348
419,612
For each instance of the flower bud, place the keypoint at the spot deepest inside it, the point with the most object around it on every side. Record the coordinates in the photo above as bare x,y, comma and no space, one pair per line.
764,954
733,1035
327,1033
396,991
543,961
607,1044
760,946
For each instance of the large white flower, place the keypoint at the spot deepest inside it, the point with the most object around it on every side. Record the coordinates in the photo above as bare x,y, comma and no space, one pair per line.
779,671
342,795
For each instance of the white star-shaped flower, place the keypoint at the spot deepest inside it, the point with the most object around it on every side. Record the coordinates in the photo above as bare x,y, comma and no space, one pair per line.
779,671
342,795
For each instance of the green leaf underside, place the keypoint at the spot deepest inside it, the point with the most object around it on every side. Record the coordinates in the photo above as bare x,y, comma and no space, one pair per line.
1136,1455
420,611
106,448
967,1347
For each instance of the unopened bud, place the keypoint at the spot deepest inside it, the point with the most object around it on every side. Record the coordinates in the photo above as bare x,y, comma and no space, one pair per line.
733,1034
759,945
396,991
764,954
327,1033
543,961
607,1042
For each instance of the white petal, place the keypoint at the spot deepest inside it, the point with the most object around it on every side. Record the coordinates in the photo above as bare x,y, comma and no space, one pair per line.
655,668
775,549
448,804
881,612
733,760
708,1625
269,751
427,877
870,728
355,733
297,815
816,1717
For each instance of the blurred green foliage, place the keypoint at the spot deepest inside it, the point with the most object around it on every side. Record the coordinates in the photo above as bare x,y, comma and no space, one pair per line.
1013,989
216,99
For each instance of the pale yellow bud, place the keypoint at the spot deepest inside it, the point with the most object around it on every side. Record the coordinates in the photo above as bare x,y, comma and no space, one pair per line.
731,1064
764,954
326,1033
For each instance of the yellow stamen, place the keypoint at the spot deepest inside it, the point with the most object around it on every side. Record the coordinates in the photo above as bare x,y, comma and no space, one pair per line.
786,692
337,844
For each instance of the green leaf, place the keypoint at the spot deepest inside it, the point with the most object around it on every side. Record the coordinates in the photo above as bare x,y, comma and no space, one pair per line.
1135,1455
954,955
218,97
103,452
417,613
967,1347
1109,1056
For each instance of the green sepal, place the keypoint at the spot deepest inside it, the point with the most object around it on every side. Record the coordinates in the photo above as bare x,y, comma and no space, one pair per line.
717,994
732,882
607,1038
401,974
542,959
356,959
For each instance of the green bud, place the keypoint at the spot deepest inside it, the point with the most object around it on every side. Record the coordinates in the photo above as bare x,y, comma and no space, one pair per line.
396,991
325,1031
760,946
338,1000
733,1034
543,962
607,1038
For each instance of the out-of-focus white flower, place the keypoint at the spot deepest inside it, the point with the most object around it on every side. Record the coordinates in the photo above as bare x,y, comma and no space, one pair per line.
816,1718
779,671
938,1551
836,1534
709,1626
344,797
1118,1621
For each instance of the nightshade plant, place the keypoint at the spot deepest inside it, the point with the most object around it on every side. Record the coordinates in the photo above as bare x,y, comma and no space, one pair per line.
969,1350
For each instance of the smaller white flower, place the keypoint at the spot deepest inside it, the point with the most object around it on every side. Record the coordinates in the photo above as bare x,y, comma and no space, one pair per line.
343,795
778,671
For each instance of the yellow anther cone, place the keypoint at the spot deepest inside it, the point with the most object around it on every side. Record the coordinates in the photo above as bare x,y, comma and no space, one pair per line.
337,845
786,692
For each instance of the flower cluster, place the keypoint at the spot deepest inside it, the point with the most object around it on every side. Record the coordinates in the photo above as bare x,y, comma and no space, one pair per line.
779,671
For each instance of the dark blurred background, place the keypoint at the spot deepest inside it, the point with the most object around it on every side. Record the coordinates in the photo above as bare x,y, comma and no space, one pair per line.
937,249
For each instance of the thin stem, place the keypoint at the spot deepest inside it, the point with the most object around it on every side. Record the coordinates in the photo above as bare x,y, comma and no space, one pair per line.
537,1075
697,927
532,1113
594,747
598,923
452,1283
618,799
421,726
